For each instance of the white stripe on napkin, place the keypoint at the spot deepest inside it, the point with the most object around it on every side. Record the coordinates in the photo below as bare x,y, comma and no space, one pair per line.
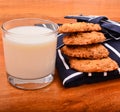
113,22
119,70
105,74
44,25
72,76
89,74
59,35
53,26
63,60
113,49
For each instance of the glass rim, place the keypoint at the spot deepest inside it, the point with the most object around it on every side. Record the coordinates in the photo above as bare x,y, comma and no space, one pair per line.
20,19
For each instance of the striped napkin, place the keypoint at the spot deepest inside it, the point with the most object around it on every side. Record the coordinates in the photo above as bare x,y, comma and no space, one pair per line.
70,77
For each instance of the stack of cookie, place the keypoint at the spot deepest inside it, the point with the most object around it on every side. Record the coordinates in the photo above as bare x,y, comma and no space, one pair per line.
83,46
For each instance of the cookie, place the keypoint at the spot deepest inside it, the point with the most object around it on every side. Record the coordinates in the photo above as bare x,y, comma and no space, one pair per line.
99,65
84,38
95,51
78,27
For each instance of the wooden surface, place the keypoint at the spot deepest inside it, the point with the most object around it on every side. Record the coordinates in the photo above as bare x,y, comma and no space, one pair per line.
99,97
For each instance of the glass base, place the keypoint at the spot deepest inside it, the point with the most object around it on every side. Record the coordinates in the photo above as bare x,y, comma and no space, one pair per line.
30,84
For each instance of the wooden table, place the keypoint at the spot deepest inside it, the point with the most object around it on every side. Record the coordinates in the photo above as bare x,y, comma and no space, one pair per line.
98,97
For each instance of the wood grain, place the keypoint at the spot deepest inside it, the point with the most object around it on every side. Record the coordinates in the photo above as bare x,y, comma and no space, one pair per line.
98,97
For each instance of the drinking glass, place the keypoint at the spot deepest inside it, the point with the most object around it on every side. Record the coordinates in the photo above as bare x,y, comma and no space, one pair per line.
30,52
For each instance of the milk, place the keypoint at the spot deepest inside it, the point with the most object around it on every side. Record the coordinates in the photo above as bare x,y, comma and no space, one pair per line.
29,53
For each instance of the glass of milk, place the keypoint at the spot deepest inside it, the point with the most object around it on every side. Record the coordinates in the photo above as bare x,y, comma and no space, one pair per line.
30,52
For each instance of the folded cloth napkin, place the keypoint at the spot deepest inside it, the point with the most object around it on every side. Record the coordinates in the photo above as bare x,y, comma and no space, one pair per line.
71,77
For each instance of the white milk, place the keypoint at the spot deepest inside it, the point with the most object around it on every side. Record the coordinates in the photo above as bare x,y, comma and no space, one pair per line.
30,56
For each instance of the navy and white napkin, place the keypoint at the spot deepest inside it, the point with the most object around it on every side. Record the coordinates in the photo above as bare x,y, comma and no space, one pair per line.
70,77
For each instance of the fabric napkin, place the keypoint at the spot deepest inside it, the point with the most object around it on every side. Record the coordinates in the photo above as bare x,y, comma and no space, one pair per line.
71,77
